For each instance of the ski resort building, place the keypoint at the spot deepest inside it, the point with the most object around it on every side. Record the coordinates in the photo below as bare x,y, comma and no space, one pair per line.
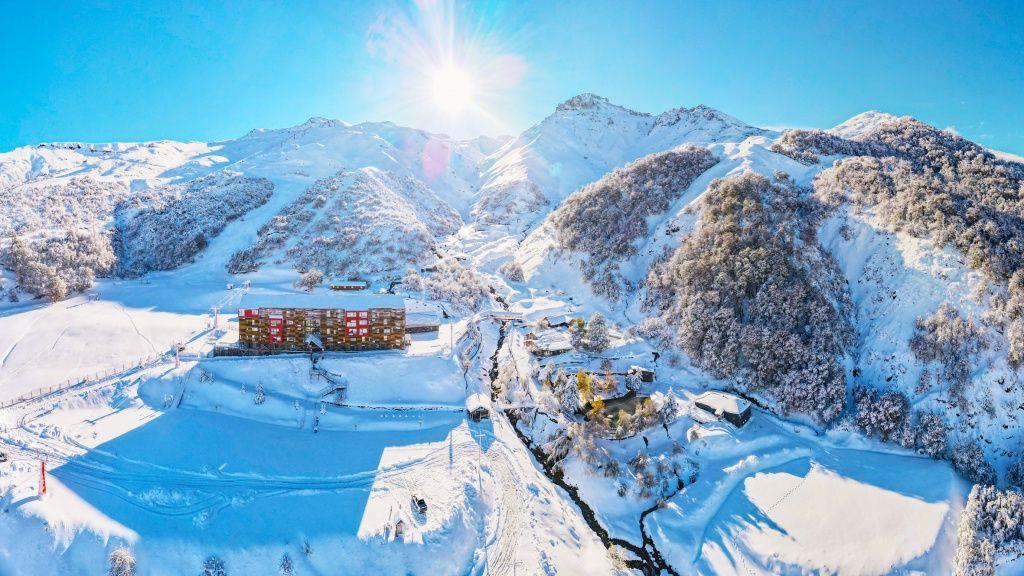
321,322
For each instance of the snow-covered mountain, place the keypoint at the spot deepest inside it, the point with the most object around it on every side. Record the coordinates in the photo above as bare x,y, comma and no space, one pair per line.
866,280
586,137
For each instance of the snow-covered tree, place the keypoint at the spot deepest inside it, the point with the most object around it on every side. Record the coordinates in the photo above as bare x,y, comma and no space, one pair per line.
512,271
670,407
287,568
931,431
1015,473
737,297
948,339
310,280
991,527
969,460
598,338
633,380
121,562
577,333
569,395
214,566
261,395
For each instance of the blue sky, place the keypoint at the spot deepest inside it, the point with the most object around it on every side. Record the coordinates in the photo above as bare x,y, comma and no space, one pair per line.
104,71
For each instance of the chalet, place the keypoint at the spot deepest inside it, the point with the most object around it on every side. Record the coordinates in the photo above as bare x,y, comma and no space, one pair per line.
350,285
548,343
478,407
299,321
421,322
722,405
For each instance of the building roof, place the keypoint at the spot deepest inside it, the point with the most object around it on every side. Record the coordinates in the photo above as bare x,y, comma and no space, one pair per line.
553,340
559,319
322,300
722,401
477,400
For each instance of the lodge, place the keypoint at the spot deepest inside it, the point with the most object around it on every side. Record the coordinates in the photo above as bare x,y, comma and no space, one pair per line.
295,321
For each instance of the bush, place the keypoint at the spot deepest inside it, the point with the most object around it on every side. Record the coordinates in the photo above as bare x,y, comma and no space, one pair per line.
512,271
750,295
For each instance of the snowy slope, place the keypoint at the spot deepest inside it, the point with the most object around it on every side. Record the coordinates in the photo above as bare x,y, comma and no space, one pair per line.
584,138
354,224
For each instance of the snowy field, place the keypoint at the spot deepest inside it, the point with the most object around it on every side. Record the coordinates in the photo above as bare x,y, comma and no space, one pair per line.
770,501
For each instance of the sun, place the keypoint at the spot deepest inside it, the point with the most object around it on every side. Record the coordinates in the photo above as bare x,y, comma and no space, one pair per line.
452,88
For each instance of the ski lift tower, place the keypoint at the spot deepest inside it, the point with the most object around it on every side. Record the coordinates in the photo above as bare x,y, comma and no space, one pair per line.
216,315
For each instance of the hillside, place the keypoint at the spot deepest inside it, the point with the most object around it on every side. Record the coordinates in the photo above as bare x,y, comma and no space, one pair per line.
352,225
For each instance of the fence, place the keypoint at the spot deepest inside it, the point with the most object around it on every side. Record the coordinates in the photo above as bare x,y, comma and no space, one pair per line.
72,383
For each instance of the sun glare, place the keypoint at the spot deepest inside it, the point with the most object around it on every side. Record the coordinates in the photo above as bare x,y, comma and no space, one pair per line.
453,89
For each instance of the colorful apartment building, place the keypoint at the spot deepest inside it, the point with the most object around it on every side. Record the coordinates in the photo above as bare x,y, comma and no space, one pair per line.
296,321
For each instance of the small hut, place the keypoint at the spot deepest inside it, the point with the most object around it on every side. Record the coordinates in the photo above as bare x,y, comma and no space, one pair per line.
478,407
722,405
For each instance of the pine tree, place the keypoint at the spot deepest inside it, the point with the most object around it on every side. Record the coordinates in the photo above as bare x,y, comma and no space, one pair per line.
598,338
287,569
633,380
569,395
577,332
214,566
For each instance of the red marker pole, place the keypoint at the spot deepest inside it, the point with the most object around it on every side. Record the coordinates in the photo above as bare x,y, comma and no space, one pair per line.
42,477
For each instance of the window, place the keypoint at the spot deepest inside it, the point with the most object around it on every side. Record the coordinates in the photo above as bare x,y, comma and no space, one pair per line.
362,314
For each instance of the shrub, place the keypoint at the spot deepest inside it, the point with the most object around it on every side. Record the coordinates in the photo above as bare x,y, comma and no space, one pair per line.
512,271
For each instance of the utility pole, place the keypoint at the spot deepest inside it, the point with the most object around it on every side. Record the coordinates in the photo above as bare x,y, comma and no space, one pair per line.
42,478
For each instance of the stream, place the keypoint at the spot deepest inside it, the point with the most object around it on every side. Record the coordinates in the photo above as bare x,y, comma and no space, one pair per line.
648,559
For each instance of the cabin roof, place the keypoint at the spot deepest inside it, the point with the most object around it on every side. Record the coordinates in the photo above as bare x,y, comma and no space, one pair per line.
477,401
727,403
321,301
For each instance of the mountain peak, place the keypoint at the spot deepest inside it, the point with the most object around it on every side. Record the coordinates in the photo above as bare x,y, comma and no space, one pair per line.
589,101
863,123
